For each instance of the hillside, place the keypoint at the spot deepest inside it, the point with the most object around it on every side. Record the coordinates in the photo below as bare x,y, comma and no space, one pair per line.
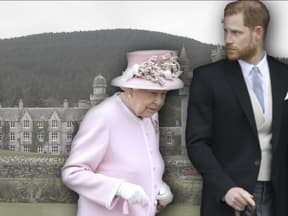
46,68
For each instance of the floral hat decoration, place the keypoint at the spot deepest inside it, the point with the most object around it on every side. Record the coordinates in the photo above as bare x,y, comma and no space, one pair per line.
151,70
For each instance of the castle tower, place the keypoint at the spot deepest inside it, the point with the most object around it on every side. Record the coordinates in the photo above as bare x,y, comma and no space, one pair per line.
99,90
185,67
218,53
184,93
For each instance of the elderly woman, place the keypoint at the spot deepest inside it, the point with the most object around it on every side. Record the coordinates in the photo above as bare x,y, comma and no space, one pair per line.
115,165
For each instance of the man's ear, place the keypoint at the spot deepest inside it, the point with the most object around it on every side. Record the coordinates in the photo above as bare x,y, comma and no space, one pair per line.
258,32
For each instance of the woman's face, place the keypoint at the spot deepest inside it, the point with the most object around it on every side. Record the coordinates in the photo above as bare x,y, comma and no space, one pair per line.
145,103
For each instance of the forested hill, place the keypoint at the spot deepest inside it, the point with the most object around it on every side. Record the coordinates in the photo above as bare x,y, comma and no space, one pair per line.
44,69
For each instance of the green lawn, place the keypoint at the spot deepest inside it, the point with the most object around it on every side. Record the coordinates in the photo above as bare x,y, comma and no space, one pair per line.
180,210
45,209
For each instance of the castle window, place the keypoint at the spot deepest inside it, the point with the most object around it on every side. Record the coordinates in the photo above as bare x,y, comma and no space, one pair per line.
12,136
68,148
55,148
54,136
26,124
169,137
12,124
26,148
40,136
99,91
27,136
54,123
12,147
69,136
40,149
69,124
40,124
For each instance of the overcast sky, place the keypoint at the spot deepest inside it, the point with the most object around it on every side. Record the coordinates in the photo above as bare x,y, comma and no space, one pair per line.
200,20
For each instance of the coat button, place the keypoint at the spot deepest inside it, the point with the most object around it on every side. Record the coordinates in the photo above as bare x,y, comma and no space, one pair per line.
257,163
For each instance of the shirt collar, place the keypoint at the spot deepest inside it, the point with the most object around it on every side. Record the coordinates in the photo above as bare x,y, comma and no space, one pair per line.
246,67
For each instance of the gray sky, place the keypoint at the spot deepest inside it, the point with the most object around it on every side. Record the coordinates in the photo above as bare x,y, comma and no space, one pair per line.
200,20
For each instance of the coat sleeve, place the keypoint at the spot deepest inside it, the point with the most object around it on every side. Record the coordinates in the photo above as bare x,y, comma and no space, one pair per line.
87,151
199,136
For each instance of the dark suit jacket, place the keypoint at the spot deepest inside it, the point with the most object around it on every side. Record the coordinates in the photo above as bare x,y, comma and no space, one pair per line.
281,160
221,134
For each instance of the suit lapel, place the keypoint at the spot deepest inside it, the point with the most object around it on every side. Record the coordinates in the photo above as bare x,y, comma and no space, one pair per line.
278,94
235,78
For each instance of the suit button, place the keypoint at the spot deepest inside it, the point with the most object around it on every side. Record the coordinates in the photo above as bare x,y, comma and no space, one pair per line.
257,163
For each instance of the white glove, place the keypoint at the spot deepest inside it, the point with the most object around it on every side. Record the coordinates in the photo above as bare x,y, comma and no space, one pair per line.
134,194
165,195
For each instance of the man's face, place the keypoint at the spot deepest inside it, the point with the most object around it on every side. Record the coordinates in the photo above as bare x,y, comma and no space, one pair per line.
239,39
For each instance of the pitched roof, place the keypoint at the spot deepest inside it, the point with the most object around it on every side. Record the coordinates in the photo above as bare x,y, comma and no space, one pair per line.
45,113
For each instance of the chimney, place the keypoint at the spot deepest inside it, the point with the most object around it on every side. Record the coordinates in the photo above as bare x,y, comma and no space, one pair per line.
65,104
20,104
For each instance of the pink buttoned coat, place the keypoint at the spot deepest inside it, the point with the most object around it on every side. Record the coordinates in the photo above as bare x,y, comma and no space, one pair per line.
111,146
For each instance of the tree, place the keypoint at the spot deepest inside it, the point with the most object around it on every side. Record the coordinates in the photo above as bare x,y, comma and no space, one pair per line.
1,92
32,96
17,94
6,135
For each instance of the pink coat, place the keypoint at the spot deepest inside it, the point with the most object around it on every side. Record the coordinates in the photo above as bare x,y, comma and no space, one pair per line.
111,146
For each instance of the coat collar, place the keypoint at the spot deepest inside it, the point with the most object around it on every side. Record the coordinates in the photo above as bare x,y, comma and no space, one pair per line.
235,77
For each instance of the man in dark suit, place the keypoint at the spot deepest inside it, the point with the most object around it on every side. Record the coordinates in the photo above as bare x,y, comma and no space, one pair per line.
233,122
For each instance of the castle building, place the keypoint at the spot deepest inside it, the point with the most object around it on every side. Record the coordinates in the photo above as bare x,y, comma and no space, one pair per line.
50,130
47,129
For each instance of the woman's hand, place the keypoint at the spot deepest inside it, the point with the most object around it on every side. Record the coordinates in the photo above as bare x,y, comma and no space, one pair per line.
164,196
134,194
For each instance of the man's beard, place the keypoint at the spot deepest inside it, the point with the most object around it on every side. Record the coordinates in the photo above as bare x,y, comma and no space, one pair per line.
246,53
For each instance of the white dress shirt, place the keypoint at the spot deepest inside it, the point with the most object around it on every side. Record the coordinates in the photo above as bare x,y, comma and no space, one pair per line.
265,76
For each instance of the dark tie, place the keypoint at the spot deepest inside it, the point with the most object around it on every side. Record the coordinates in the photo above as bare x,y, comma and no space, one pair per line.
257,86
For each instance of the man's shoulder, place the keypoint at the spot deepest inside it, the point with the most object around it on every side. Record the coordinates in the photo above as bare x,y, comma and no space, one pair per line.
278,62
279,69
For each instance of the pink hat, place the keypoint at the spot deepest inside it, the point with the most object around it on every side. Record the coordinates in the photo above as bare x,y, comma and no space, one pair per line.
151,69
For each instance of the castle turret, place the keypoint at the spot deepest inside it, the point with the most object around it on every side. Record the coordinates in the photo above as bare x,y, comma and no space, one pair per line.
184,92
99,90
